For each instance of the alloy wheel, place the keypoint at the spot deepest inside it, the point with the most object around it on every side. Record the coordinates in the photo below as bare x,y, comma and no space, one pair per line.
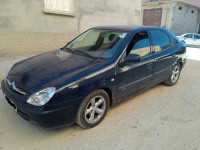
95,109
175,74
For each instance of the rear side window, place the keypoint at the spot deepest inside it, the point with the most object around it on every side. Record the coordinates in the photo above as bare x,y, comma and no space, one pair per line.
197,37
161,40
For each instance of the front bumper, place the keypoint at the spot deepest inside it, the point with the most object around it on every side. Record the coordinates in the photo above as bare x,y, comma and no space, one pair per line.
59,115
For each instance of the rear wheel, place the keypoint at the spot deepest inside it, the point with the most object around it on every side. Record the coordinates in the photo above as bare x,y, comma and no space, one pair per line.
93,109
174,75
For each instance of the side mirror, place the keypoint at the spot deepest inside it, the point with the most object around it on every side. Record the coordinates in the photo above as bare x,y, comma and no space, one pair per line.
133,58
129,59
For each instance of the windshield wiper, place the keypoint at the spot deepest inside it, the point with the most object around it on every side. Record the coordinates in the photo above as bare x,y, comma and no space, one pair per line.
84,53
67,49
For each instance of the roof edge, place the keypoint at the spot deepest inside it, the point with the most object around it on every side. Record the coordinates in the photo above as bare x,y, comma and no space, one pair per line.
165,2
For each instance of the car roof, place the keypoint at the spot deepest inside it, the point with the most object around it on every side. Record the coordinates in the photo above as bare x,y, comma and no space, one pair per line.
125,28
190,33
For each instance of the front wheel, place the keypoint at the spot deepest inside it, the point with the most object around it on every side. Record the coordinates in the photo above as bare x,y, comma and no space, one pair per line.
93,109
174,75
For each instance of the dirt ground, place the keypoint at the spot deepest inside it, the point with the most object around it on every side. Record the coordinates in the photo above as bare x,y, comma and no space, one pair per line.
161,118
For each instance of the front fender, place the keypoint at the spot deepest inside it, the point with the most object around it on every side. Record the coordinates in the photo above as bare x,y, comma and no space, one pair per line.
80,89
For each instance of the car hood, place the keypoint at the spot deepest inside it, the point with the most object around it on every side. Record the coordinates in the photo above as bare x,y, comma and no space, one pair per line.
53,67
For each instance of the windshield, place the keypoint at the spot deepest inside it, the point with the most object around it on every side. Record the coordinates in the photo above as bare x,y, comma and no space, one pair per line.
97,43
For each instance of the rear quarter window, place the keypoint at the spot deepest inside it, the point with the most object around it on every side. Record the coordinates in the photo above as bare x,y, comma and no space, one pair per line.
197,37
161,40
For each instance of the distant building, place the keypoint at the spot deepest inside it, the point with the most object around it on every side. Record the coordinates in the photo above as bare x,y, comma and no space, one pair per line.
179,16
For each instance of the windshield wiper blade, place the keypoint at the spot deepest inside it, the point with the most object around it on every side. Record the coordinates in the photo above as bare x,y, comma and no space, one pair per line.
67,49
84,53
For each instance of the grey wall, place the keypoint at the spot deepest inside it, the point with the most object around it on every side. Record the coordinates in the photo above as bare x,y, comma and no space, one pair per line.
184,21
26,29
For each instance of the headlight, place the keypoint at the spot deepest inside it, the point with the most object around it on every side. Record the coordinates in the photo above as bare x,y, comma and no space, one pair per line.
42,97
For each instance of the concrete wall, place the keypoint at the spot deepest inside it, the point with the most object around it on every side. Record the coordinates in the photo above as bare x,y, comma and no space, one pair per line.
26,29
184,21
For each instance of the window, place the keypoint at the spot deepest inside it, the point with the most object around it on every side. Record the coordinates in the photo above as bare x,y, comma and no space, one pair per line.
161,40
190,36
197,37
64,7
98,43
139,45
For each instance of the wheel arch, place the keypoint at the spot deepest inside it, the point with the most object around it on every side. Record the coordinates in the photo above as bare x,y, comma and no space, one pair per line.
109,92
180,63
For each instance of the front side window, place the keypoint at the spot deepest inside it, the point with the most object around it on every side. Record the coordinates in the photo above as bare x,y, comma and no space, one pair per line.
197,37
139,45
161,40
98,43
190,36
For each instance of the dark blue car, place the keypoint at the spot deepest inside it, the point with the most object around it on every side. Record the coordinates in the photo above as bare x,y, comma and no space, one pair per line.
99,68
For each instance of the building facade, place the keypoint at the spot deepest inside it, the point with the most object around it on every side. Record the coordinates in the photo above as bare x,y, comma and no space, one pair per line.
35,26
179,16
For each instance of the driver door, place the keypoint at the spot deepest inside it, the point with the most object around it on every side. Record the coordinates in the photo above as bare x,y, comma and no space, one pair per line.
135,76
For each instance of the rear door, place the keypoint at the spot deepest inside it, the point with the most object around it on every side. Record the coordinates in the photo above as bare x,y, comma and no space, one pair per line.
197,39
164,55
135,76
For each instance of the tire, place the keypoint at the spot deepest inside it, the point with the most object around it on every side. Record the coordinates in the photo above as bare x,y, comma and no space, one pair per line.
93,109
174,75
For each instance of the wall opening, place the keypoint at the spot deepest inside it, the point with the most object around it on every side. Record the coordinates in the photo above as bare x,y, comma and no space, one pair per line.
152,17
